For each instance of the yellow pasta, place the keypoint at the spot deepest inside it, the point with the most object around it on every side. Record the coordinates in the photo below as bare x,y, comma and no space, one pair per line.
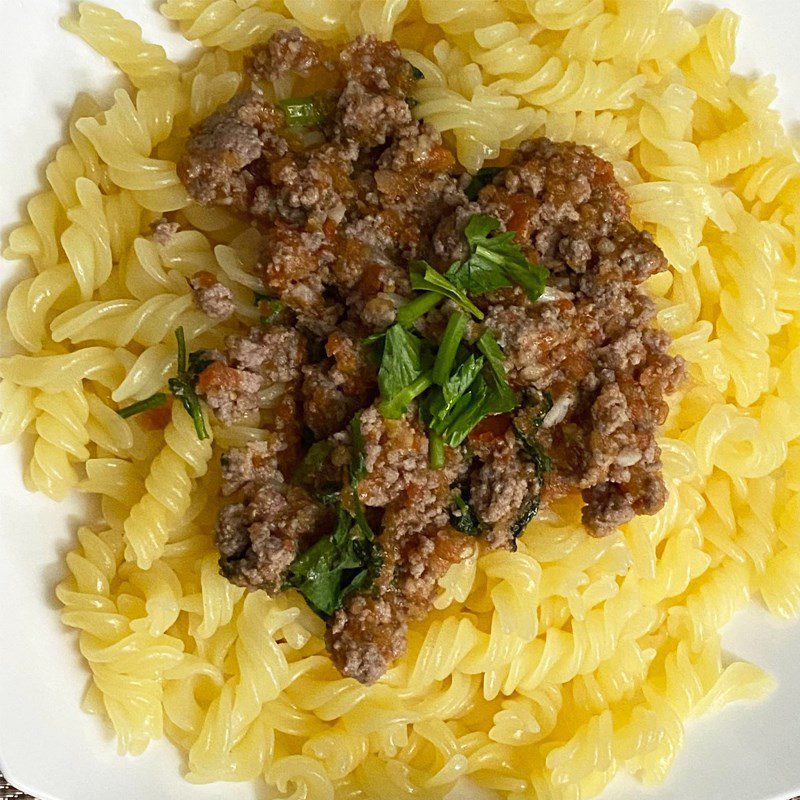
541,673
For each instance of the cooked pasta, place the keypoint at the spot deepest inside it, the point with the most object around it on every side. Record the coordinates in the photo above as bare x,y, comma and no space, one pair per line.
541,673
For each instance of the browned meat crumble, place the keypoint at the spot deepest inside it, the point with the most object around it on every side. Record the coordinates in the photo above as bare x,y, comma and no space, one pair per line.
342,218
212,297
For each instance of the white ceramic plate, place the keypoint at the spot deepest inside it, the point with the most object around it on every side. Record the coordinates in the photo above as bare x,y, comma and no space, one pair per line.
48,747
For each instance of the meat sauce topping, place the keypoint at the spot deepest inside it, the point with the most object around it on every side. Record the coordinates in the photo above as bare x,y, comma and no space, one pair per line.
440,356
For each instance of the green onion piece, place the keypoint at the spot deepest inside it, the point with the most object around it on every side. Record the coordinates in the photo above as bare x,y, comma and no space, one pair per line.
418,307
435,450
446,355
157,400
417,73
301,112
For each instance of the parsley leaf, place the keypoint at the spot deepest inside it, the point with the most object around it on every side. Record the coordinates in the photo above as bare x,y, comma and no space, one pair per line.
504,399
271,305
402,375
426,279
436,454
442,402
526,424
358,463
495,262
448,347
529,510
468,411
335,566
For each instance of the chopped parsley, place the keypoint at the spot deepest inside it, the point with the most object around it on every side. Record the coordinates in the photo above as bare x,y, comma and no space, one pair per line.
503,399
526,425
402,375
339,564
444,399
529,511
418,307
182,387
448,348
495,262
311,467
425,278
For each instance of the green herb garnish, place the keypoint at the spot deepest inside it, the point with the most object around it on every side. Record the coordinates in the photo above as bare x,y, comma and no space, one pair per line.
182,386
467,413
358,463
310,468
448,348
425,278
408,314
463,518
443,400
481,178
273,307
529,511
526,425
155,401
436,454
417,73
495,262
402,375
301,112
329,494
503,398
336,566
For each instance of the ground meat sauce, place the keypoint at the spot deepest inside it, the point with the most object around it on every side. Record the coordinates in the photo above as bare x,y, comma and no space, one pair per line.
343,212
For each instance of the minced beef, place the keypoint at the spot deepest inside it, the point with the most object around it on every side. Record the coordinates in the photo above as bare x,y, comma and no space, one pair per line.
286,51
212,297
343,210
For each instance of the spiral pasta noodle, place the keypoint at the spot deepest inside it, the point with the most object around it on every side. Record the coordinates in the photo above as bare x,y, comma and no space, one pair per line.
541,673
168,490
